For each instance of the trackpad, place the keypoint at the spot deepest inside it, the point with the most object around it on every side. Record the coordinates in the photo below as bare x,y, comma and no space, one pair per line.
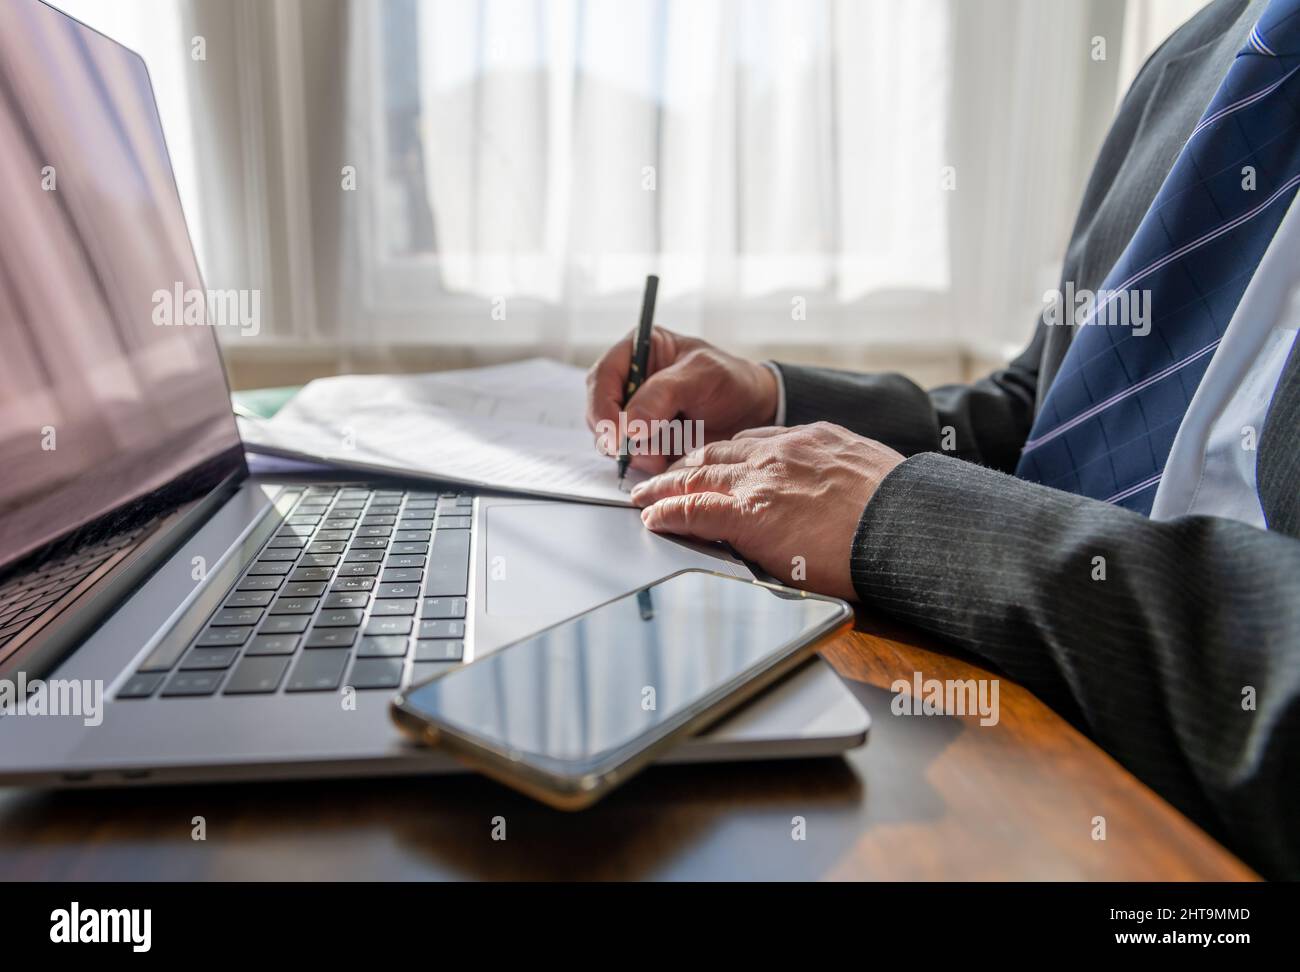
550,561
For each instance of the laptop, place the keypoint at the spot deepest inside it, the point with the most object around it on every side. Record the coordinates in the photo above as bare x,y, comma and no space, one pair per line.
167,616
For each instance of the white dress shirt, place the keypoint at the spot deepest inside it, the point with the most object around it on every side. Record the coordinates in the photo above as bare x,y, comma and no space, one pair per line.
1211,467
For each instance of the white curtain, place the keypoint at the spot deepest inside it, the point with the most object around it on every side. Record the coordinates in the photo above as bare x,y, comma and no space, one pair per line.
738,148
832,178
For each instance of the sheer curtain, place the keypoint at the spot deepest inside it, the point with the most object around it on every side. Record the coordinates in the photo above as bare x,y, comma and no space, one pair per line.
416,183
740,149
814,174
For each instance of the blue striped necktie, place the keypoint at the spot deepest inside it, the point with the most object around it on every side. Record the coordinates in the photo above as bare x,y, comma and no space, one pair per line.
1110,416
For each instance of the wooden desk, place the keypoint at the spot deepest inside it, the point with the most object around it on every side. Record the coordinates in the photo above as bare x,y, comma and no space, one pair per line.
935,797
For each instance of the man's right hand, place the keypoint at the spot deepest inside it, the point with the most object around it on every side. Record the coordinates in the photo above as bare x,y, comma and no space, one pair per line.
688,379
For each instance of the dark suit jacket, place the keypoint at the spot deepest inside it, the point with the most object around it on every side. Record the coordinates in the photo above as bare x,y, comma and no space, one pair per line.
1155,661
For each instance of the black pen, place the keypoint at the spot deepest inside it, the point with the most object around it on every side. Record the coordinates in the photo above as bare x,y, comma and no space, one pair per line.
640,362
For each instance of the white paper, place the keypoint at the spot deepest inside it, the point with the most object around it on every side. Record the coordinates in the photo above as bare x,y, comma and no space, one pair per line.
517,428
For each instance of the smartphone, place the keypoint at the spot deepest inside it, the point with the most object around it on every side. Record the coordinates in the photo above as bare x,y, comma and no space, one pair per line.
574,710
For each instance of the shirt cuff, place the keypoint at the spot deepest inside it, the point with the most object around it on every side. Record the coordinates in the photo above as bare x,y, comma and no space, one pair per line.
780,392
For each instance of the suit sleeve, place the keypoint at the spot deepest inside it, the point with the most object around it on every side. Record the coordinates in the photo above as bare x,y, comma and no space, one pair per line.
985,422
1178,650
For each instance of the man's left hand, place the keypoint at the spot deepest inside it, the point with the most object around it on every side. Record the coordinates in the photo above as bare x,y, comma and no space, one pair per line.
788,500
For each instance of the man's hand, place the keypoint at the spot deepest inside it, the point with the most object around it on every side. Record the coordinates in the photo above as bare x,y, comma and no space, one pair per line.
787,499
688,379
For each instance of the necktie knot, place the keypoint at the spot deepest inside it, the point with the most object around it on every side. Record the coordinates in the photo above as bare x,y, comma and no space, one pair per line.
1278,32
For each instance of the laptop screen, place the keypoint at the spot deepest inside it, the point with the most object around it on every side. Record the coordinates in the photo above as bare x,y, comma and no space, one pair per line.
109,390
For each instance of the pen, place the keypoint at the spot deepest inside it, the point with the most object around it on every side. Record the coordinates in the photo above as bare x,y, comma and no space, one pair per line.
640,362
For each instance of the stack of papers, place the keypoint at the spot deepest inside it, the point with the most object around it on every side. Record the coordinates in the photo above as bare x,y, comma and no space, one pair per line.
518,428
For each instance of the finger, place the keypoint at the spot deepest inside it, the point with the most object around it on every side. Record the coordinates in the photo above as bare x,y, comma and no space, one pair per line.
667,393
762,432
670,394
722,452
607,379
605,383
695,479
704,516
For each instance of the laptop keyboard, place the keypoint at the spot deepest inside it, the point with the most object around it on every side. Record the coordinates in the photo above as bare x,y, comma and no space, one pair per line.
357,587
28,596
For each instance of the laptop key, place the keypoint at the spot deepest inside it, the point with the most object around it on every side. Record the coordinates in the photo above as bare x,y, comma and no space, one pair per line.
140,686
236,615
223,637
353,584
364,556
331,637
284,624
318,671
331,535
303,589
358,570
272,645
369,543
449,565
355,599
407,576
264,583
421,549
296,542
279,553
249,599
348,618
319,560
295,605
200,659
257,676
328,547
411,536
312,574
393,608
192,684
453,522
376,673
442,629
383,646
388,626
439,651
443,607
263,567
404,561
398,590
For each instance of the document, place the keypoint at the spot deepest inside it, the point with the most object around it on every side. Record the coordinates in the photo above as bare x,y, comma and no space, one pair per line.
517,428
